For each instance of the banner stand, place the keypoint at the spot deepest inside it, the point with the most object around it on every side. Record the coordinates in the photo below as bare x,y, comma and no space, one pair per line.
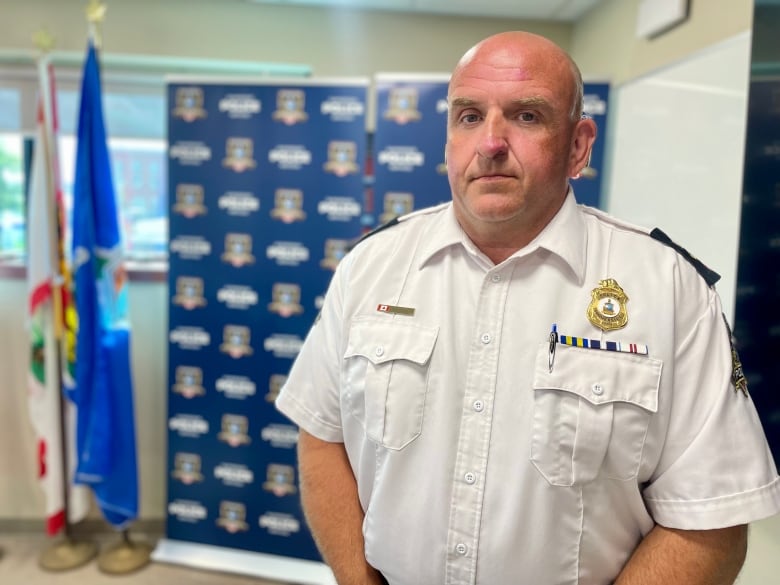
253,564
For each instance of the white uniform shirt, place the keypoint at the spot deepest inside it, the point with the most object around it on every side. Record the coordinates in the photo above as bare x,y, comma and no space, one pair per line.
475,463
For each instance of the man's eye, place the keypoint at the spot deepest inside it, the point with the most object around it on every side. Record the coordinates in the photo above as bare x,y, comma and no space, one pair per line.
527,117
469,118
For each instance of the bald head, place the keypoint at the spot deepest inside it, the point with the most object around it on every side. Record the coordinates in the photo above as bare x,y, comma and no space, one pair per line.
509,49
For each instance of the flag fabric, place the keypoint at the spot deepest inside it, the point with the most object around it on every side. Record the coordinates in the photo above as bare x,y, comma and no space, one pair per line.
103,393
50,349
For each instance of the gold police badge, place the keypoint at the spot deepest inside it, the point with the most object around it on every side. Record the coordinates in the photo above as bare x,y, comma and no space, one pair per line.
607,309
402,106
189,104
289,106
275,383
232,516
239,154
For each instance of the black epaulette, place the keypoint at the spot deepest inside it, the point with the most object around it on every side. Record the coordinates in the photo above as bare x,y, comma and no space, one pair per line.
376,230
709,276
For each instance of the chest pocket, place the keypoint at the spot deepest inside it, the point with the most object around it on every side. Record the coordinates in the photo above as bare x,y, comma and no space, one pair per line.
591,413
385,377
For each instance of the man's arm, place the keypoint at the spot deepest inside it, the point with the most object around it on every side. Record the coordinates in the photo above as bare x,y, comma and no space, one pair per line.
694,557
330,503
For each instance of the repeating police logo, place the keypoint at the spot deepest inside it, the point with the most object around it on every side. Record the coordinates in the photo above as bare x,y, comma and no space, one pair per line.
189,104
186,468
283,345
235,341
234,474
238,250
189,381
280,436
236,387
279,524
232,517
275,383
189,200
189,425
235,430
190,338
395,204
239,154
190,247
189,292
240,106
190,511
342,157
290,104
280,480
335,250
240,203
286,299
288,205
402,105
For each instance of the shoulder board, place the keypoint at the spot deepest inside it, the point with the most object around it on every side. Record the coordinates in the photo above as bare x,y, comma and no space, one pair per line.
396,221
709,276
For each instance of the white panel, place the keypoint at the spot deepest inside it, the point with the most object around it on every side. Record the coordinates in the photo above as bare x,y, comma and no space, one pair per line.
676,154
655,16
215,558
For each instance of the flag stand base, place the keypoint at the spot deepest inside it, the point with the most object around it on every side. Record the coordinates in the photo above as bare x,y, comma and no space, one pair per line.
125,557
67,554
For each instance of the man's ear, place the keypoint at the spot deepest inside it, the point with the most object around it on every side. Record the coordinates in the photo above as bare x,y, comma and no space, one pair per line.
583,137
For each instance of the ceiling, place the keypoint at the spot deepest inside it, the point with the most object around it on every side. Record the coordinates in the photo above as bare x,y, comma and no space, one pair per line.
560,10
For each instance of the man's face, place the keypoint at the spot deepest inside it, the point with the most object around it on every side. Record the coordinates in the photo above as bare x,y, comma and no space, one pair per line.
510,146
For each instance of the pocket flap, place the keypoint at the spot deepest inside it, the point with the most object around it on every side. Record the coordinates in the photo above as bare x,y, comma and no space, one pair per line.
600,376
382,340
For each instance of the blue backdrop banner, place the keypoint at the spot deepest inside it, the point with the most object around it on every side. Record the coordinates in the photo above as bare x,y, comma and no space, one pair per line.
266,191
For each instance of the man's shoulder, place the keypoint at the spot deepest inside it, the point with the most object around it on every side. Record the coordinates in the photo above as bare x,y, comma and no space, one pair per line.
399,226
652,237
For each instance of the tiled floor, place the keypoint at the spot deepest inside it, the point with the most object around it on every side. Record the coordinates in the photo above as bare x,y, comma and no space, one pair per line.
19,553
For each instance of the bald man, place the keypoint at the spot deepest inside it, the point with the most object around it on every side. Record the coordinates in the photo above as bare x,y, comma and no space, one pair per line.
513,388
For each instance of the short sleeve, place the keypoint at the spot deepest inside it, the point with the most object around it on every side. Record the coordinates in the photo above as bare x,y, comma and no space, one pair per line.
715,468
310,396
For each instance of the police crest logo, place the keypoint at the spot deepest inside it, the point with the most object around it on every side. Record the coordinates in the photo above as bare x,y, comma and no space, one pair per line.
395,204
239,154
235,341
275,383
234,430
286,300
402,105
342,157
189,292
290,105
189,380
288,205
186,468
189,104
232,517
280,480
238,250
189,200
607,309
335,250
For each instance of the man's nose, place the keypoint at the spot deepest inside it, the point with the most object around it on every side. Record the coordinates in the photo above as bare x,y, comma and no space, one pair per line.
493,142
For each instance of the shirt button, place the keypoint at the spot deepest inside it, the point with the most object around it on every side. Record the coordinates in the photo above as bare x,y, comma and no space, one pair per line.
486,338
470,478
461,548
598,389
379,351
496,278
479,406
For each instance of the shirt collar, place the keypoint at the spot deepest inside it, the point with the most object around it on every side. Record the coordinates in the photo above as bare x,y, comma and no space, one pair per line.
565,236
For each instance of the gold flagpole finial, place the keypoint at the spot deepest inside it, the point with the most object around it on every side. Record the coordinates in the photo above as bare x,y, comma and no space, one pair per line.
43,40
96,13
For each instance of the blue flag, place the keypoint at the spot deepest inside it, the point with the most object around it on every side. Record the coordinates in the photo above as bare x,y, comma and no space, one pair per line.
103,392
